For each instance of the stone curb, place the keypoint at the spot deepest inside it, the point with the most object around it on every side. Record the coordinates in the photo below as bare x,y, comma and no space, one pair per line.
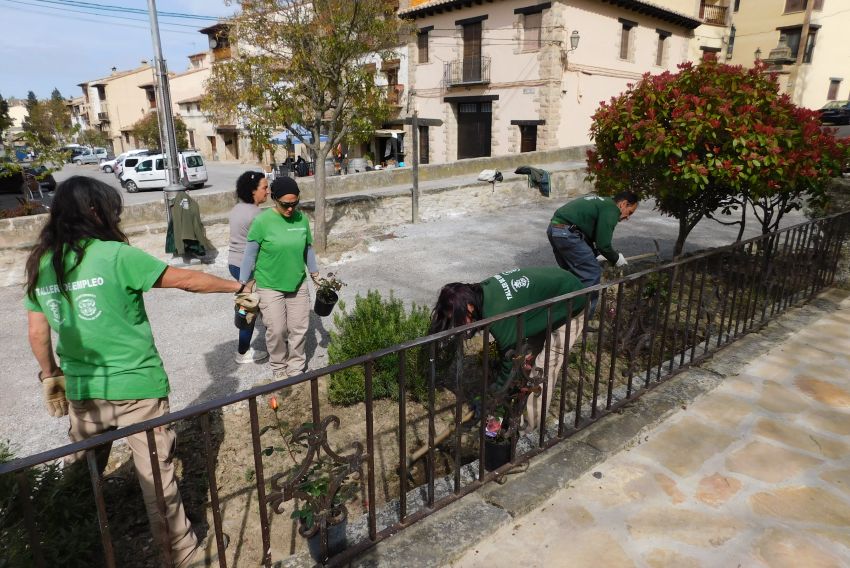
444,536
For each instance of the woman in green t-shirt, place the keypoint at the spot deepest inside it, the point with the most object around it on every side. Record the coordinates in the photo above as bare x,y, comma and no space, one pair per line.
85,283
279,246
461,304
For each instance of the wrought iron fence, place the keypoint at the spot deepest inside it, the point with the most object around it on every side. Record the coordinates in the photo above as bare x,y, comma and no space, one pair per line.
648,326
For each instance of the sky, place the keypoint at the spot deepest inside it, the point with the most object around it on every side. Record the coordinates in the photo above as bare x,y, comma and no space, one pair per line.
61,43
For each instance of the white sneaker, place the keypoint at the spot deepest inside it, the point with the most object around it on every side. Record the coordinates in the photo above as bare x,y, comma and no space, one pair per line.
250,356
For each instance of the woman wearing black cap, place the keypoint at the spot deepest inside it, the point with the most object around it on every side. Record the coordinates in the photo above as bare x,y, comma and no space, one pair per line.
279,246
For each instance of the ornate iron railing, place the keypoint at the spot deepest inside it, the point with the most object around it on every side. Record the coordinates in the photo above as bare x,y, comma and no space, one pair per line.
649,326
713,14
474,70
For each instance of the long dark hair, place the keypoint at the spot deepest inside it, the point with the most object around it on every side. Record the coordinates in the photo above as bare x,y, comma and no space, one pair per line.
451,307
83,208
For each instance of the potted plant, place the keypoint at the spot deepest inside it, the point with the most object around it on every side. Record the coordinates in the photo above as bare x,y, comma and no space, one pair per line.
504,408
320,482
326,294
497,439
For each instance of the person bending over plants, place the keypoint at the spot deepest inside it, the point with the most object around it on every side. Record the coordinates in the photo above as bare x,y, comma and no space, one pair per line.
462,304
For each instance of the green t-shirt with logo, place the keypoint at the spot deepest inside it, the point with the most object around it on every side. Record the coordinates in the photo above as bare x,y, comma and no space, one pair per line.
522,287
283,245
105,343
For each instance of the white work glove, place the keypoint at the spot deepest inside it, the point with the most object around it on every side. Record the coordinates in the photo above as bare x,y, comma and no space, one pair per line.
621,261
601,258
53,389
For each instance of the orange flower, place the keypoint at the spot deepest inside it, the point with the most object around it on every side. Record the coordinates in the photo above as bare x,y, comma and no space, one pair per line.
273,403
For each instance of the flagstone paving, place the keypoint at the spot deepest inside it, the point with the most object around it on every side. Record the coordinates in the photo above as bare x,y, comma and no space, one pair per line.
755,473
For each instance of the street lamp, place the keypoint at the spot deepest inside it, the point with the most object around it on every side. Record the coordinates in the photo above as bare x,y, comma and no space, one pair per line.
574,37
758,53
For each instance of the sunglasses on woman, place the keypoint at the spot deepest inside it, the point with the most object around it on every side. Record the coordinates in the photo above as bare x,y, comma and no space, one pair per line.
288,204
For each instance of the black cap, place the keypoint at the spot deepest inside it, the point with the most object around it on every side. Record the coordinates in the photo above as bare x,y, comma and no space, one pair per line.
284,186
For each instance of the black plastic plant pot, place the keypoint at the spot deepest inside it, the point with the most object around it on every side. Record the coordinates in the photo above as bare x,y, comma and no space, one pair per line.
496,454
325,305
337,542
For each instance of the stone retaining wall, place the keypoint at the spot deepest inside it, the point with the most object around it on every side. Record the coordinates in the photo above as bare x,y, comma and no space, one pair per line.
346,214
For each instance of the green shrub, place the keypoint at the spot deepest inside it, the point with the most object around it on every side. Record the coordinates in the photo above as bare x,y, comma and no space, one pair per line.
373,324
64,511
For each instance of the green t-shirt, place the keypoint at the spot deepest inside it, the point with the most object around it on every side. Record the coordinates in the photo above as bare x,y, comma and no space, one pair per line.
522,287
596,217
283,245
105,342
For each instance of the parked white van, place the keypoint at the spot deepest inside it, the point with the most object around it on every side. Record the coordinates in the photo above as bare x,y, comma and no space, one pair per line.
150,172
113,165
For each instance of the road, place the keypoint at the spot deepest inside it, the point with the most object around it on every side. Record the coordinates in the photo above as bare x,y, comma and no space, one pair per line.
222,177
197,340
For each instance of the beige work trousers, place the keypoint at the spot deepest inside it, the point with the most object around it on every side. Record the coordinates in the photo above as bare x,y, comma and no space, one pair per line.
287,318
92,417
557,339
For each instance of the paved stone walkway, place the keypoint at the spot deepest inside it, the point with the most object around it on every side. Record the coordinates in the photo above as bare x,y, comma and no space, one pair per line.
755,473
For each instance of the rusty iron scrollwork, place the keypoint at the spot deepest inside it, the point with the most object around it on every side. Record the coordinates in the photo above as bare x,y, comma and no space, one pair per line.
319,463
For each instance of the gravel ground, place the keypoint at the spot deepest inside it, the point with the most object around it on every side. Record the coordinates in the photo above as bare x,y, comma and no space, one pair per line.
197,340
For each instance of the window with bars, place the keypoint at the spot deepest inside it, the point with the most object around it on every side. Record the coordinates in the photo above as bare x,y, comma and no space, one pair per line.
660,51
800,5
424,145
532,28
730,46
791,36
832,93
422,44
626,37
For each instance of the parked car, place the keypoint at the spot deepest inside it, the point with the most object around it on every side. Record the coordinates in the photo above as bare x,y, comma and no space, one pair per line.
835,112
193,169
87,156
75,151
129,162
150,172
114,166
102,153
14,182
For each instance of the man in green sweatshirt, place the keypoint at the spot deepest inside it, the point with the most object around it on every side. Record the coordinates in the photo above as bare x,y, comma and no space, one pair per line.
461,304
584,226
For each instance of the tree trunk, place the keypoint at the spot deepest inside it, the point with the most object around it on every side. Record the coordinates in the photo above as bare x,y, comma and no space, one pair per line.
743,221
681,237
320,236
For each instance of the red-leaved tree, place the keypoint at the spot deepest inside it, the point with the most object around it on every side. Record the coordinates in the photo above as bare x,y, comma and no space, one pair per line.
710,139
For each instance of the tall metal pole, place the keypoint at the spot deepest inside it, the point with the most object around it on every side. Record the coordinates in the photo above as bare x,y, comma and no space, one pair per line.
415,194
163,94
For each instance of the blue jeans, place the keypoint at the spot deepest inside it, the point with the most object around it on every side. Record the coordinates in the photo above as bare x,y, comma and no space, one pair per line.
574,254
244,334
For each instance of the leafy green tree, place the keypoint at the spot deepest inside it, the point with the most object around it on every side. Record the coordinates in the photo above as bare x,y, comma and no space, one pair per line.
146,130
707,140
93,137
49,121
5,119
60,117
37,121
304,63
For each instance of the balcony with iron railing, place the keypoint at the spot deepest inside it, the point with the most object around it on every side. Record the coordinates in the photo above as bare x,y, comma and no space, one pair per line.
713,14
474,70
103,116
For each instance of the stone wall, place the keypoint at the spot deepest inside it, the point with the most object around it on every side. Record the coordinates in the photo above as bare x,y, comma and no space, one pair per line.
350,213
